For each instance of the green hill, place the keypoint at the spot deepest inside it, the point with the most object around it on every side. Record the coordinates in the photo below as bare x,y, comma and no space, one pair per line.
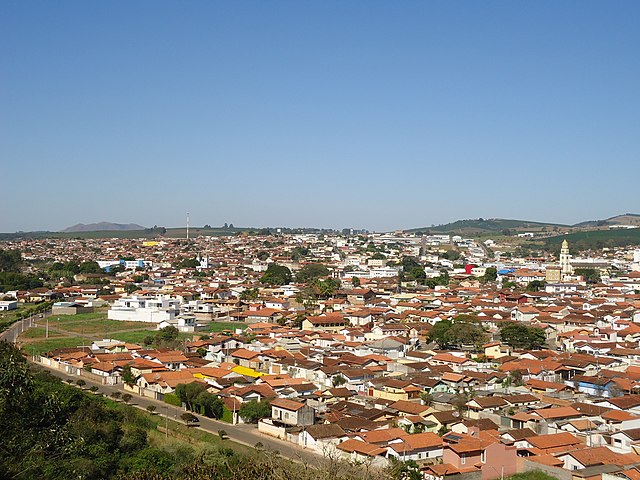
481,225
596,239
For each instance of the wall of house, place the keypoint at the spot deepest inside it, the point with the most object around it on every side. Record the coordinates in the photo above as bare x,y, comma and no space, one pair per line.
500,461
558,473
265,426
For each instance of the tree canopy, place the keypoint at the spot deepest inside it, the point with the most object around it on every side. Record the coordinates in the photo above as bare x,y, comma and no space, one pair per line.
10,261
311,271
464,330
518,335
490,275
590,275
276,275
253,410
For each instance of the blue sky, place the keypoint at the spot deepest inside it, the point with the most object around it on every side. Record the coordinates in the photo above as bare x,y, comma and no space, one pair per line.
363,114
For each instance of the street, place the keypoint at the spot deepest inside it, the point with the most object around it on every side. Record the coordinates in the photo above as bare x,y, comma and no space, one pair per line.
244,434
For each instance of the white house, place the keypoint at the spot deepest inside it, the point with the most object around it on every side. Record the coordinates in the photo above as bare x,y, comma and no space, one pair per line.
145,309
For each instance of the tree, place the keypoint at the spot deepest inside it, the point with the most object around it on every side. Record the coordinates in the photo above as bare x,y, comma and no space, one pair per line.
253,410
188,392
127,376
311,271
355,281
452,255
338,380
536,285
439,333
325,287
90,267
464,330
151,409
249,294
590,275
427,398
490,275
126,398
168,334
409,263
518,335
189,263
10,261
276,275
209,405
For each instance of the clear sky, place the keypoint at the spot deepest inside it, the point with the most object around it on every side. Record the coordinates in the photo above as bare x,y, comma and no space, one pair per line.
364,114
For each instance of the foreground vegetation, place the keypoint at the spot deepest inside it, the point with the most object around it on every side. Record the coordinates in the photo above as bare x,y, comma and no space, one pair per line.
56,431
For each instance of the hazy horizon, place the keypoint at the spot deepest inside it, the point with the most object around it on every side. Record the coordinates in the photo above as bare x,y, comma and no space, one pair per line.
408,227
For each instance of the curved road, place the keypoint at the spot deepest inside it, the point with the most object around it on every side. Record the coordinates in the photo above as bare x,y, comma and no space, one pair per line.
243,434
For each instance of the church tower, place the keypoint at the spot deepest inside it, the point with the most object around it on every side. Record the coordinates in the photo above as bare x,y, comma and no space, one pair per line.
565,259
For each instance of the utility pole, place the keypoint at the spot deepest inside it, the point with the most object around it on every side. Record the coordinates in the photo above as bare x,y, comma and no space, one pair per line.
187,225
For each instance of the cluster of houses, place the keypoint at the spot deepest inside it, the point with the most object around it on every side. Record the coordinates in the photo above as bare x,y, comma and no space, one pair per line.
353,374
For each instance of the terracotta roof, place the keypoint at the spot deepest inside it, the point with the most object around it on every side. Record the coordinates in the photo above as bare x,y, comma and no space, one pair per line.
287,404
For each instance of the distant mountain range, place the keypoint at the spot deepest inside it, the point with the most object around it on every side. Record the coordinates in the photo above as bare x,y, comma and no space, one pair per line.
625,219
489,225
103,227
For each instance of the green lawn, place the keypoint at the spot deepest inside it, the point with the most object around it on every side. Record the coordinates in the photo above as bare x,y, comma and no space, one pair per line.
80,317
532,475
137,336
133,336
222,326
39,332
42,346
103,327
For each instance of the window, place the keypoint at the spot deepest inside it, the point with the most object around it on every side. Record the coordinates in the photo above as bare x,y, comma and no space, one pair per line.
483,456
463,458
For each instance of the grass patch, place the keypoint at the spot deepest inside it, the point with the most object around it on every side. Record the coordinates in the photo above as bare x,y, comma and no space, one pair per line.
137,336
103,327
532,475
134,336
222,326
80,317
39,347
39,332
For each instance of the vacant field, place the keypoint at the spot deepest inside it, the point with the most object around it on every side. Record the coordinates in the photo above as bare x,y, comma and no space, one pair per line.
40,332
37,347
81,317
83,328
222,326
103,327
137,336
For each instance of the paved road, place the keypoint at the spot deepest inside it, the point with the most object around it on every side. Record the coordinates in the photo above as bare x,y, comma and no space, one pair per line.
11,333
244,434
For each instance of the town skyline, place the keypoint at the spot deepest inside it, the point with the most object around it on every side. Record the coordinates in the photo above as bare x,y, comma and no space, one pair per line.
134,226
